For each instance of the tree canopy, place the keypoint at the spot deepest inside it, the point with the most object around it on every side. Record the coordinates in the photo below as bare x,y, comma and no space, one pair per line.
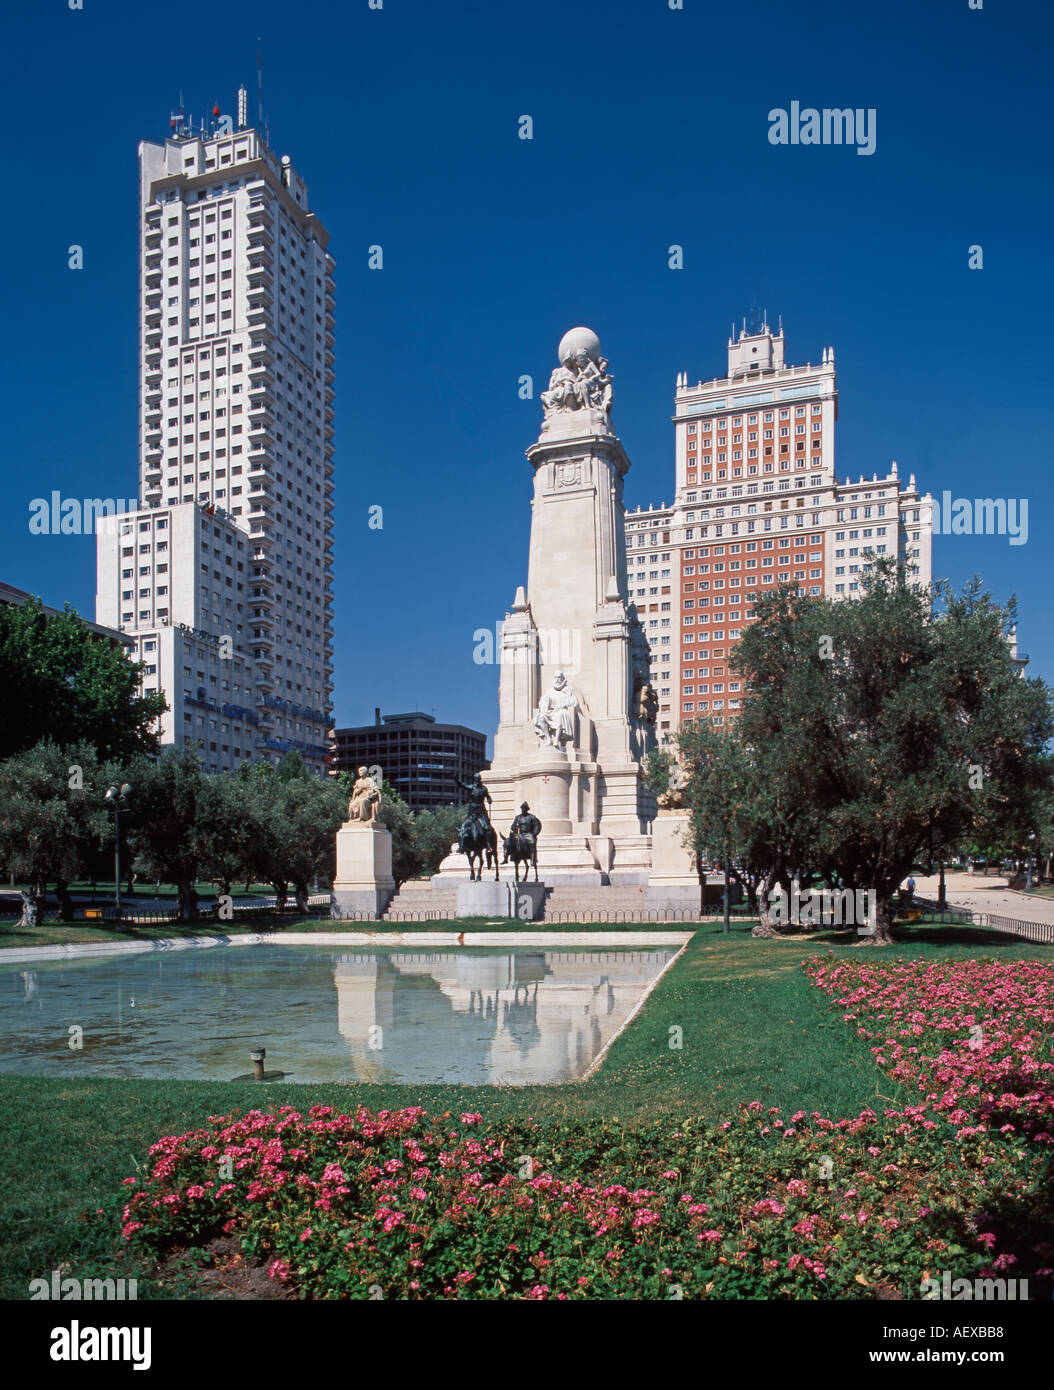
62,680
873,733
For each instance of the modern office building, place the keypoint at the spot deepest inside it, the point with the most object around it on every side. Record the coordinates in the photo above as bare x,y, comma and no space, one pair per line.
423,760
757,502
223,575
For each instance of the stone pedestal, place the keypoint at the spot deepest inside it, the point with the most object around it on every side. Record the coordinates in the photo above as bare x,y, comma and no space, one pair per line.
485,899
363,882
547,779
528,900
673,883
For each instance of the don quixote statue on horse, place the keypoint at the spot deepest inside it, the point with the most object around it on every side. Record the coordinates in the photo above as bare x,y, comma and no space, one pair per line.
478,838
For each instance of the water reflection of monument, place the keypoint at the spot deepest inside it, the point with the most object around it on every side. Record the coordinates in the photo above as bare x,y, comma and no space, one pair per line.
486,1017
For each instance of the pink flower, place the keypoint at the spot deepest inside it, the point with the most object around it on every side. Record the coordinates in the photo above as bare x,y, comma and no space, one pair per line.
768,1207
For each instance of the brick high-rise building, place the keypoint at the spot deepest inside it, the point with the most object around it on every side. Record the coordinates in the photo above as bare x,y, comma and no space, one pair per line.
223,575
757,502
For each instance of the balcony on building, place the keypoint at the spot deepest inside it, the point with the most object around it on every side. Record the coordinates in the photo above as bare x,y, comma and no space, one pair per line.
260,233
261,439
261,356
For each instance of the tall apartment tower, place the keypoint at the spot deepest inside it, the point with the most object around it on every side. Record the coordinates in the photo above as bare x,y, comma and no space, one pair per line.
757,502
224,573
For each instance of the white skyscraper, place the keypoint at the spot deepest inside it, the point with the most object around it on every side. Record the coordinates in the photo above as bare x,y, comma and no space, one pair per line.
224,573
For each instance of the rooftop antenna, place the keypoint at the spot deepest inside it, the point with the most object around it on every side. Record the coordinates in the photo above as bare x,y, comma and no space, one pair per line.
259,85
175,120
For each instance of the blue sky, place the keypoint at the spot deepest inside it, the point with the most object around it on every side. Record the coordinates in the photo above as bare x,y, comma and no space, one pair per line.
650,128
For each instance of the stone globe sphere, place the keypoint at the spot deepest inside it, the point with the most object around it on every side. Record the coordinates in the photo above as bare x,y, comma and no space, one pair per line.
574,340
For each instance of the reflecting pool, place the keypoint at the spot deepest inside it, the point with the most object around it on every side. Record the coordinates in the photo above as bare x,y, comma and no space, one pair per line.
471,1016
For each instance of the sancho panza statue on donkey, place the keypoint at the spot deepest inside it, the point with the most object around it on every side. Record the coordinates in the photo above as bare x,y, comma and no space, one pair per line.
521,846
478,838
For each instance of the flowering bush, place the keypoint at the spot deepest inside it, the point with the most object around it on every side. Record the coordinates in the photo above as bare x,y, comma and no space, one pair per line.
974,1036
400,1204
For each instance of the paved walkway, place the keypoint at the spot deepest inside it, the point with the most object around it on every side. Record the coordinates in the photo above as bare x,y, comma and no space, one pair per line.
988,895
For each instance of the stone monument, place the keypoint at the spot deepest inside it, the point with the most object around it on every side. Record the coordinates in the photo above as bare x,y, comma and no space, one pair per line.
576,708
363,882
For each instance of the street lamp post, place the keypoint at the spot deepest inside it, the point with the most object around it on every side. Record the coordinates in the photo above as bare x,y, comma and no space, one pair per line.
118,802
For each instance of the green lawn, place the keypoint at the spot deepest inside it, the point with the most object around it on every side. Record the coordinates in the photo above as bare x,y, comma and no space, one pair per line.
753,1028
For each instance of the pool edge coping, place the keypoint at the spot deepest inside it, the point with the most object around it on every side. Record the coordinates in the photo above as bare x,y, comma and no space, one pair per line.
16,955
598,1060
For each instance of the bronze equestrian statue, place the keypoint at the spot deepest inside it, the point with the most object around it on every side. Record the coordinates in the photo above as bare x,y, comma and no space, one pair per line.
521,845
477,837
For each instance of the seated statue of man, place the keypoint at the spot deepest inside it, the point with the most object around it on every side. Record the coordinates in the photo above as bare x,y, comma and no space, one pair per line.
365,803
478,800
554,722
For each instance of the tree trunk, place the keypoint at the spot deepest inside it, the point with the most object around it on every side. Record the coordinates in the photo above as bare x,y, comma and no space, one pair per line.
281,893
301,897
62,892
883,933
188,900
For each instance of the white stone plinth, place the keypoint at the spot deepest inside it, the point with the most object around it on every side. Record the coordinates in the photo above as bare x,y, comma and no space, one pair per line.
673,882
485,899
672,861
529,900
363,882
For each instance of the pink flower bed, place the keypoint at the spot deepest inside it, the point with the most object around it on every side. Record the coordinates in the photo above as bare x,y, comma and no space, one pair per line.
404,1204
973,1036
